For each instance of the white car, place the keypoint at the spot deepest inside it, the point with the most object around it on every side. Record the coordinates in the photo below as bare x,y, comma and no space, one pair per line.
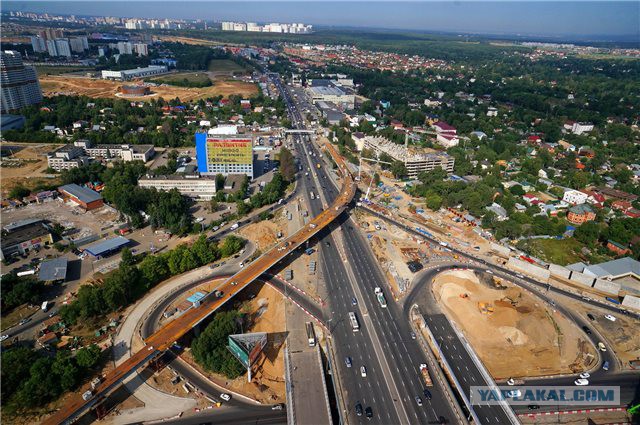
511,381
363,371
602,347
515,393
610,317
225,396
3,337
581,382
585,375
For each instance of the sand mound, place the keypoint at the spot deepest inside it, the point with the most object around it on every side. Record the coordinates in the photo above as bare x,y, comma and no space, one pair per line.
514,335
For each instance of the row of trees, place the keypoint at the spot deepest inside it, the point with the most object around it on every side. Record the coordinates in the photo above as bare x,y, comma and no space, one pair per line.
19,290
134,277
32,379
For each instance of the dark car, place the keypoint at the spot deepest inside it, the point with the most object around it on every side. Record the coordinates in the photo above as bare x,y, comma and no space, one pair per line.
427,394
591,316
533,407
586,330
368,412
359,409
442,420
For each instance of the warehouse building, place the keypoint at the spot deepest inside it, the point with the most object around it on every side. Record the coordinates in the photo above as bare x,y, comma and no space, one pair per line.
194,186
22,237
416,161
53,270
106,247
132,74
86,198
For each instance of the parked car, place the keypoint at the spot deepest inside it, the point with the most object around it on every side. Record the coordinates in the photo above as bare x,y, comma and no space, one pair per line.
581,382
359,409
533,407
225,396
591,316
585,375
610,317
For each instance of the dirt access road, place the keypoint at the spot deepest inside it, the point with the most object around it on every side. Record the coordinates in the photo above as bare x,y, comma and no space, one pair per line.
514,333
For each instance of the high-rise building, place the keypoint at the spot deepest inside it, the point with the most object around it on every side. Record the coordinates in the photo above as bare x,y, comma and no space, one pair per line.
227,26
39,44
125,48
79,44
20,86
141,49
63,47
51,48
51,33
224,154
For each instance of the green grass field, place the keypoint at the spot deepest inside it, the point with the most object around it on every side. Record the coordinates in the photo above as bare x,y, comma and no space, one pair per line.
185,79
57,70
558,251
225,65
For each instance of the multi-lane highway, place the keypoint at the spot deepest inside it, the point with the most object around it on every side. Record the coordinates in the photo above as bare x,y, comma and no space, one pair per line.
383,344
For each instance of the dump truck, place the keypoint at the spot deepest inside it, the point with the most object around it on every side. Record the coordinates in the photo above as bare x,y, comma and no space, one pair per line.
424,371
381,299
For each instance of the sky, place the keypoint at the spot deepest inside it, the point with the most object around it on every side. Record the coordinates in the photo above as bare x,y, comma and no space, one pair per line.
515,17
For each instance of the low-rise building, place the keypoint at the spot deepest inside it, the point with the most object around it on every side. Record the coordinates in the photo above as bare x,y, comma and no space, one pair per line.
579,214
67,157
86,198
82,152
21,237
193,186
131,74
327,91
574,197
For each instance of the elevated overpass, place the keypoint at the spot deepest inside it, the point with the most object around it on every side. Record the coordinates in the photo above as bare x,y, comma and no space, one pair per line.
162,339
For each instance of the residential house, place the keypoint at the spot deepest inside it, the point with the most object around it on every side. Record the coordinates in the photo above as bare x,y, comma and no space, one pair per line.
574,197
581,213
617,248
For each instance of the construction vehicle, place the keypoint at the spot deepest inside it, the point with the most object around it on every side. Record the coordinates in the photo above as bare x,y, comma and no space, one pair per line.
485,308
381,299
424,371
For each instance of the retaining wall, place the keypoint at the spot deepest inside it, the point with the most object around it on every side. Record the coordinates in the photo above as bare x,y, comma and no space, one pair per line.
559,271
582,279
631,302
607,286
532,270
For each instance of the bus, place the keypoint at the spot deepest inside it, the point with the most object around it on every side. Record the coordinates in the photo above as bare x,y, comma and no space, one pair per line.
354,321
311,334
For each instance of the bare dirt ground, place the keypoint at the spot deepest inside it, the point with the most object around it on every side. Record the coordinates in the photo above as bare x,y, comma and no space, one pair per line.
190,40
264,233
522,337
54,85
27,167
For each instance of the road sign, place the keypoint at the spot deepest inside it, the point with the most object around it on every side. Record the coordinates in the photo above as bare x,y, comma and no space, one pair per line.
247,348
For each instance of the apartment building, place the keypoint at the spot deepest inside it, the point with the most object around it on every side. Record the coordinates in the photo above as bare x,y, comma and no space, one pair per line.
20,85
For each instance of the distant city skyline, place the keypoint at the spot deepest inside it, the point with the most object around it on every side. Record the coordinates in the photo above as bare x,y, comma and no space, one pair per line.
521,18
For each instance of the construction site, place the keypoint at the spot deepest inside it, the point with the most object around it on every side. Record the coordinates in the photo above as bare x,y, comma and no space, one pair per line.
54,85
514,333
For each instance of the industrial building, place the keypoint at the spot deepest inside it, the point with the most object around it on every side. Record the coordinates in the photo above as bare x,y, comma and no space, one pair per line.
21,237
194,186
224,154
54,270
86,198
131,74
327,91
20,85
106,247
415,161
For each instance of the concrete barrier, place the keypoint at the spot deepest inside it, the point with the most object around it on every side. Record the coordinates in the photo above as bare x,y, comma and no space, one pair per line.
607,286
559,271
582,279
499,249
631,302
530,269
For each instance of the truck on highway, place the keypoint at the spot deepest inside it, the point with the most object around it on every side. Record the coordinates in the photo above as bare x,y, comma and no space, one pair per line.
424,371
381,299
311,334
45,306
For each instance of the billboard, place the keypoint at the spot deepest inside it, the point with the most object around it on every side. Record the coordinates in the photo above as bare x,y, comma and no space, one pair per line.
228,150
247,347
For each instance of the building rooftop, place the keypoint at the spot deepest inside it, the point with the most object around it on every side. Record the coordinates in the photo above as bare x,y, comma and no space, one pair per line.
24,233
613,268
18,224
327,91
106,246
580,209
146,69
400,152
55,269
83,194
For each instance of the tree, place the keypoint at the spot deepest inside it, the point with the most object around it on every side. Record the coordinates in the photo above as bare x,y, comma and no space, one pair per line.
287,165
517,190
376,179
209,349
433,201
231,245
19,192
398,169
587,233
88,357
